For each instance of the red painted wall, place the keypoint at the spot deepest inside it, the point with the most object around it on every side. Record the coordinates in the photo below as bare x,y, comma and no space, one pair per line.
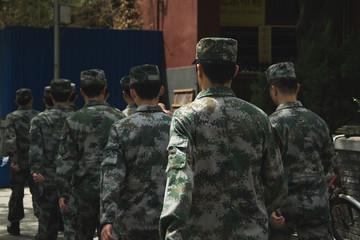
178,21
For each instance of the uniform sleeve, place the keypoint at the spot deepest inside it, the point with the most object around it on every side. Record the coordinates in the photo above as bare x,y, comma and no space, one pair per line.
36,148
113,171
10,141
180,182
66,161
275,183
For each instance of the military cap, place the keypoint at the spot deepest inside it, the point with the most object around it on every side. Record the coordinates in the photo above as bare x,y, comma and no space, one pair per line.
92,77
23,94
216,50
144,73
73,88
283,70
125,83
60,85
46,91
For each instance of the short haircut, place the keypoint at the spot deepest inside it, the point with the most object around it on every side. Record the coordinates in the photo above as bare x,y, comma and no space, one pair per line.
48,101
93,90
286,86
219,72
61,96
24,100
146,90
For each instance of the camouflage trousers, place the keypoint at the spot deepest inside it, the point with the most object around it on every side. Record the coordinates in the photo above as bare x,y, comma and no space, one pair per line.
308,214
18,181
69,220
49,212
87,218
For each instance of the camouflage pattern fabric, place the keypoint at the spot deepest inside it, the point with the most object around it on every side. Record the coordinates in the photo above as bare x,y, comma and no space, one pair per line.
80,155
130,109
216,49
224,172
45,130
308,155
133,174
16,142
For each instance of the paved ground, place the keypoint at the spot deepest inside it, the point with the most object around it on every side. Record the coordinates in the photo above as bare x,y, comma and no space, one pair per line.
28,226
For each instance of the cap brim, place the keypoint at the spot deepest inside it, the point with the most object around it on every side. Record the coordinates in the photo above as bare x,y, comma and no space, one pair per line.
267,86
196,61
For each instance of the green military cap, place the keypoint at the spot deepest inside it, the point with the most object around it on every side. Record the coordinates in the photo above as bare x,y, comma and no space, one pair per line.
73,88
23,94
283,70
144,73
216,50
60,85
125,83
46,91
92,77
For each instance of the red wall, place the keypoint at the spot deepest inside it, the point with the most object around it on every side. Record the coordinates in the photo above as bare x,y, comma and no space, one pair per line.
178,21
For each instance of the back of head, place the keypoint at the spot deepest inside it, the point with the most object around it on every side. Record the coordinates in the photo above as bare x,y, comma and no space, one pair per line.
145,80
93,82
73,92
125,84
46,96
23,96
60,89
217,57
282,75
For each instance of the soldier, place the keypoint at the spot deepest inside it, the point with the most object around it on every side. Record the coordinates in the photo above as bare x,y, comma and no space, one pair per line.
125,89
307,154
46,98
224,172
81,153
17,148
45,129
133,172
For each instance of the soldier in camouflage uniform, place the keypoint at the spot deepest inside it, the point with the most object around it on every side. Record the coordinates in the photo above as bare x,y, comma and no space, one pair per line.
307,154
47,99
45,130
81,152
133,173
17,148
224,172
125,89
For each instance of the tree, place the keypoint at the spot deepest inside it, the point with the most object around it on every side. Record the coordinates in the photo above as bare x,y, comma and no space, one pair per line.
117,14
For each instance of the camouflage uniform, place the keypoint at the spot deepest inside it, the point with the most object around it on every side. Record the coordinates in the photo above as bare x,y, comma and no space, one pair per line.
81,153
17,148
125,86
224,172
307,153
133,181
45,133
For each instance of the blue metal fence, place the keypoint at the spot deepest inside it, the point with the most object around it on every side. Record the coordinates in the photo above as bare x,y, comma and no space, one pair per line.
26,59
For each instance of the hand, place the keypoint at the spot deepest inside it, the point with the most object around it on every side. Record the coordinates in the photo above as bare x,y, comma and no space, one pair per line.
277,221
64,204
38,178
106,232
15,167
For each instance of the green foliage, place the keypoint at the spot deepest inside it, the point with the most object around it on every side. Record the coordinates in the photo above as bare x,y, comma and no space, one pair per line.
261,97
358,102
329,78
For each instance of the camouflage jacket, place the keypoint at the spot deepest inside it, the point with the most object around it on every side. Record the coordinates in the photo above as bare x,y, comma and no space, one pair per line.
224,171
45,130
82,142
133,173
17,136
130,109
305,144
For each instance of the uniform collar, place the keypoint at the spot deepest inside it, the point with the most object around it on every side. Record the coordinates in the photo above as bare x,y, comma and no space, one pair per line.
216,91
289,105
94,103
149,108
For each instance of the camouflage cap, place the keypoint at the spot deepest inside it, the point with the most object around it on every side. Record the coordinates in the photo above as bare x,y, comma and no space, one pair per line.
60,85
125,83
46,92
23,94
144,73
216,50
283,70
92,77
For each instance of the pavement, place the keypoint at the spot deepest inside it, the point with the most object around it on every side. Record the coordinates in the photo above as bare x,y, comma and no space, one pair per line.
28,225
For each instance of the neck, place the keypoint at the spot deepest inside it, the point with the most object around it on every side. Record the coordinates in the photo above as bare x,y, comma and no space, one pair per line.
286,98
140,102
88,99
206,83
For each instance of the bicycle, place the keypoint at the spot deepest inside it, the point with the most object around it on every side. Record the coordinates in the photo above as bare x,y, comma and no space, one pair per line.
344,209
